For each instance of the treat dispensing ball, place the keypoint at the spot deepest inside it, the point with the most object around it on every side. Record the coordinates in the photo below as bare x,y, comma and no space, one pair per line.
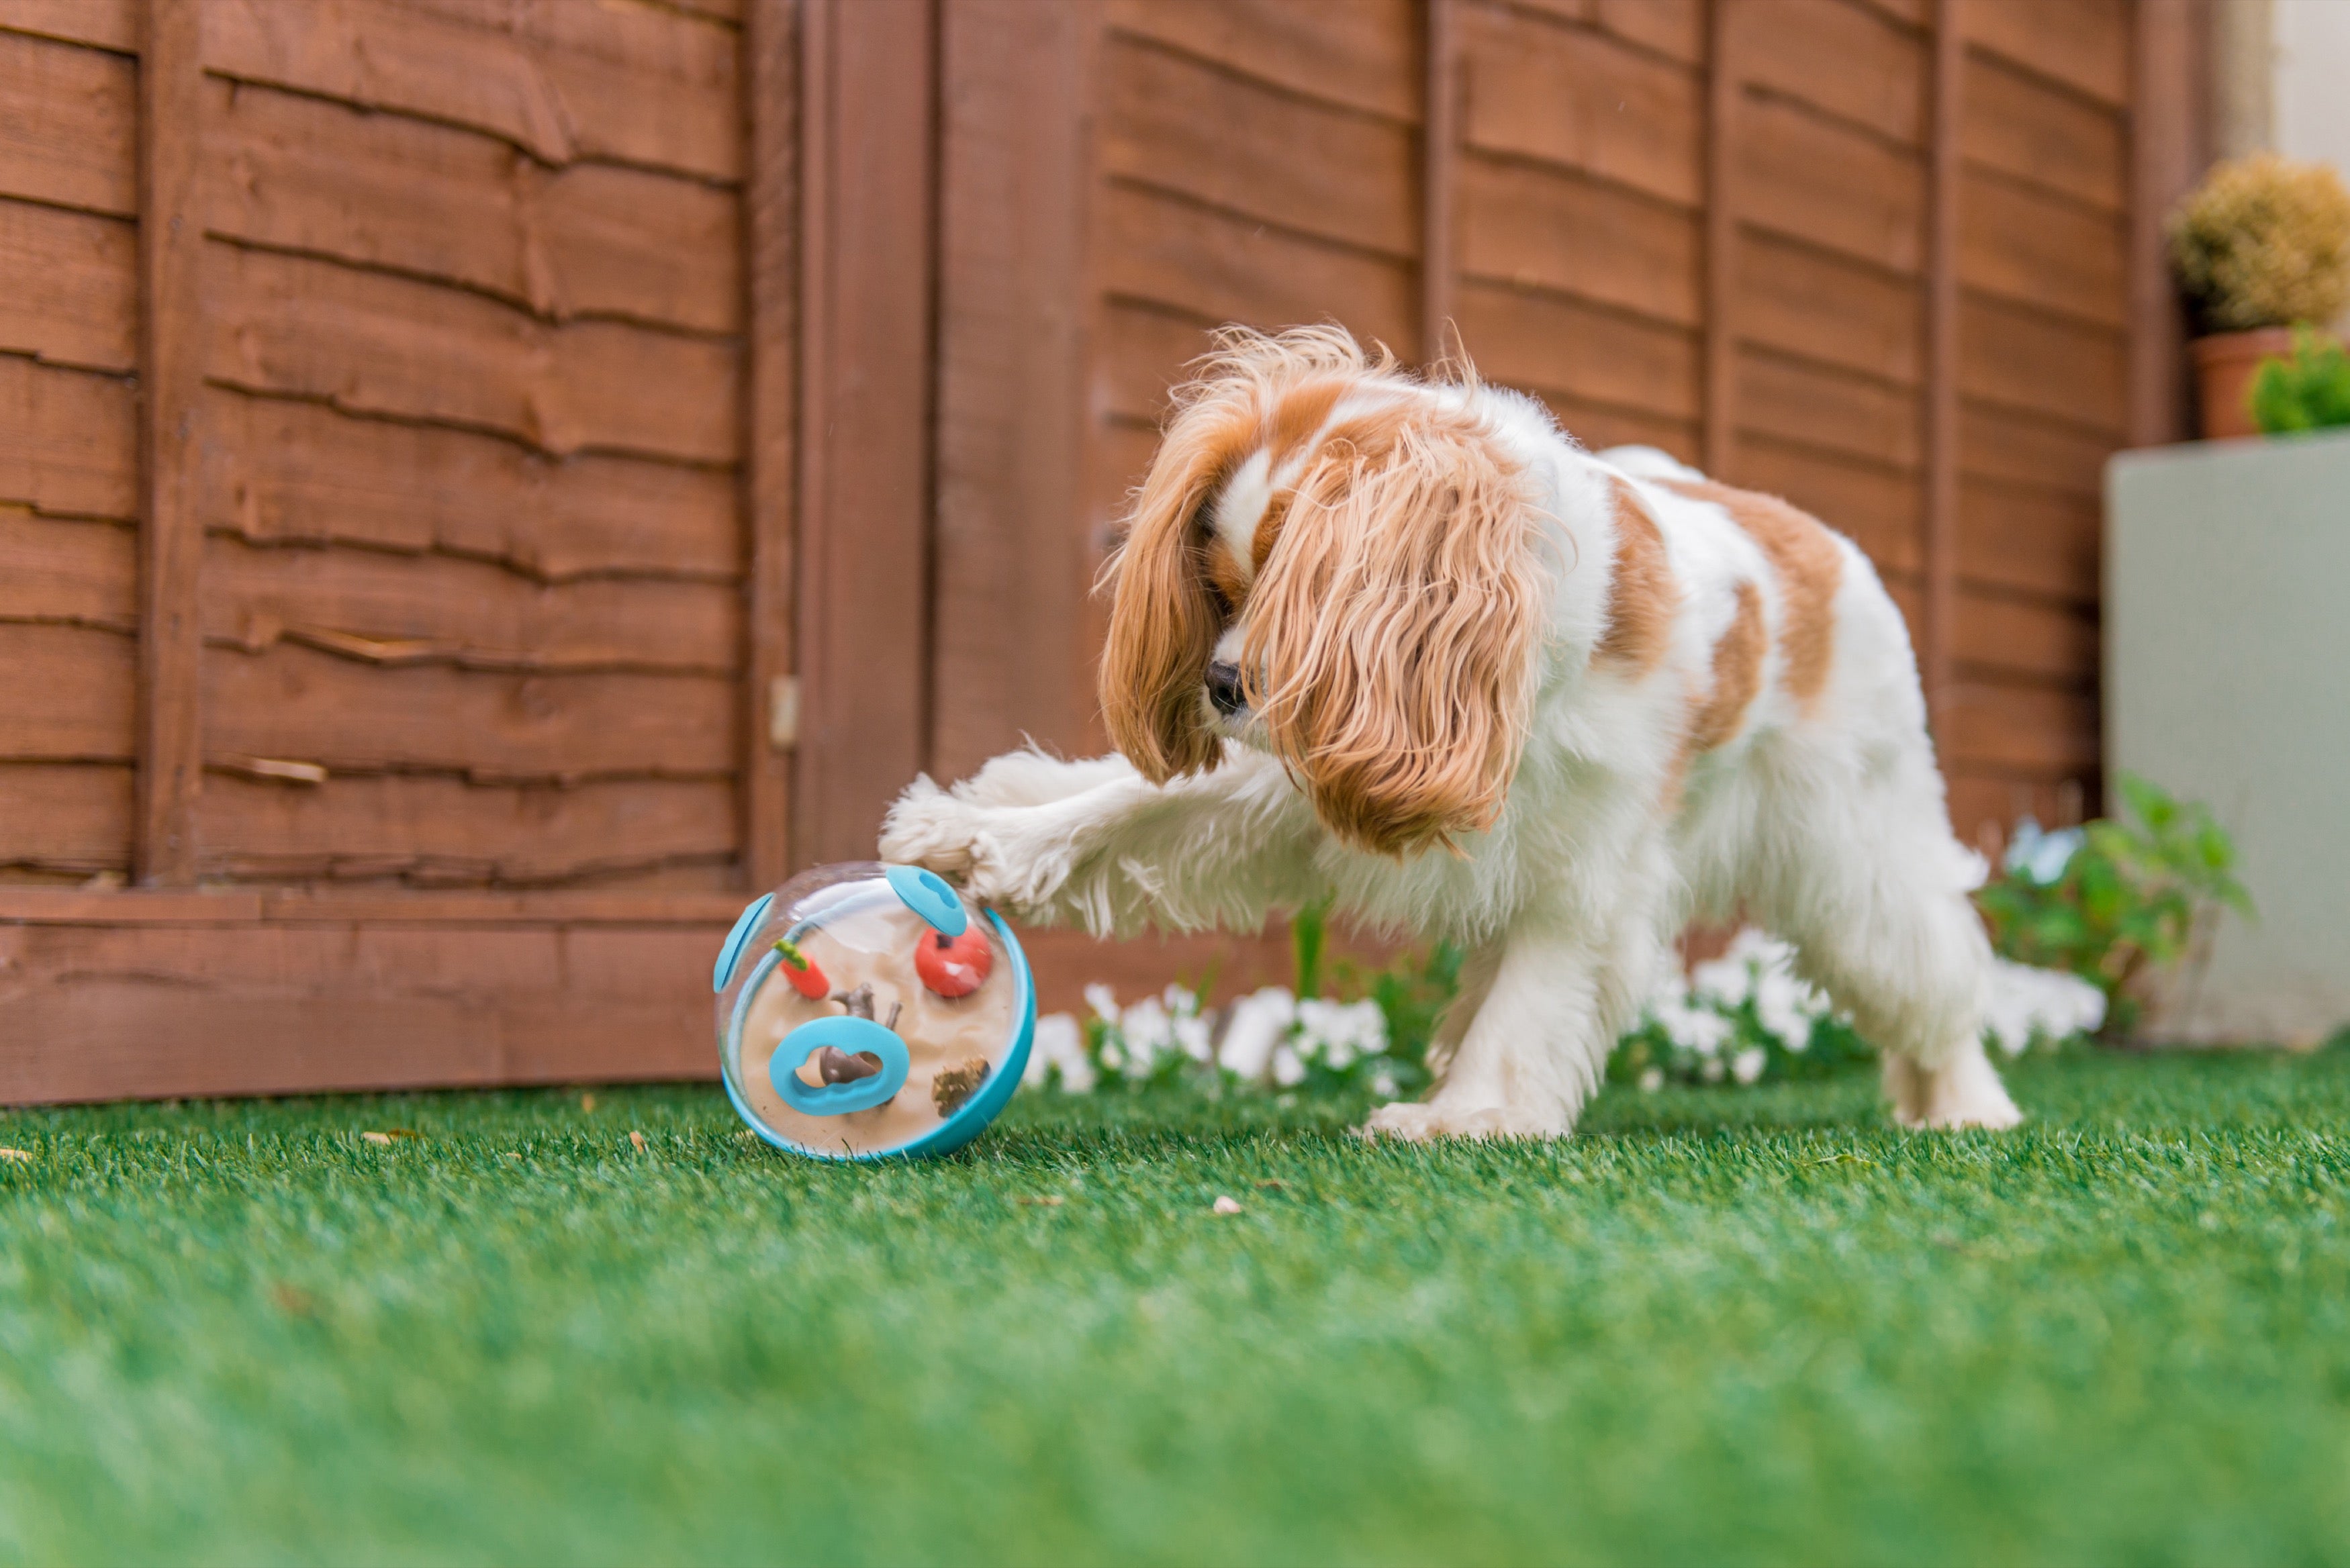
866,1010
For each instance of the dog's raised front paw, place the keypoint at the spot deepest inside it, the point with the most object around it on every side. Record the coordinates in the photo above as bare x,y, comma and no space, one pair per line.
930,828
1415,1122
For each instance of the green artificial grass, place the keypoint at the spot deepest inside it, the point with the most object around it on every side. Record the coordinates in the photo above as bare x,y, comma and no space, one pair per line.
1721,1325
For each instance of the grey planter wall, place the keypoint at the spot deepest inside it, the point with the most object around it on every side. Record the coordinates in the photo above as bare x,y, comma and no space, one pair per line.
2227,620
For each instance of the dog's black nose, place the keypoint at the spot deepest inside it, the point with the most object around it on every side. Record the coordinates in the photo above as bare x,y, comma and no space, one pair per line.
1224,688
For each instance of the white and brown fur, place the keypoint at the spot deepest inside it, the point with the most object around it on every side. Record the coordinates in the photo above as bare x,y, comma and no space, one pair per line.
1488,686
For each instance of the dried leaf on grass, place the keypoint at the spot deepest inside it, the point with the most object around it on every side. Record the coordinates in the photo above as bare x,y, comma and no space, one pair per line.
637,1138
1049,1200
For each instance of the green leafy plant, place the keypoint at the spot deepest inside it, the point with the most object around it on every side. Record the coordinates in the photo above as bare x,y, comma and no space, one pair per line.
2124,901
2308,392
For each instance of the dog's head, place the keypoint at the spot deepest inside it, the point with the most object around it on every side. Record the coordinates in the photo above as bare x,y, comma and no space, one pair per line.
1333,560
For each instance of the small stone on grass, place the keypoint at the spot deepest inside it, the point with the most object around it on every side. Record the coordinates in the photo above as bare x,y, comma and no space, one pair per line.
1224,1205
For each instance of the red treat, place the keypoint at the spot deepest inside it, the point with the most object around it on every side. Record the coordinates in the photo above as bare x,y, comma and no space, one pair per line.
953,966
801,971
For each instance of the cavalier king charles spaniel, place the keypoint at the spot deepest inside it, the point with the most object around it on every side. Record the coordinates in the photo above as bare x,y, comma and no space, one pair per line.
1402,643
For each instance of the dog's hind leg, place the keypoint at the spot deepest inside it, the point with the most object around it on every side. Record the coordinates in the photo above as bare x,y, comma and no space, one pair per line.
1874,898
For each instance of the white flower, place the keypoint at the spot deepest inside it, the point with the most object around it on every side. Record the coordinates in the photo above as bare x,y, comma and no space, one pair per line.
2024,1003
1149,1032
1652,1080
1725,982
2041,858
1786,1007
1747,1065
1060,1041
1256,1024
1288,1069
1180,1000
1194,1035
1338,1034
1710,1070
1695,1029
1383,1083
1103,1001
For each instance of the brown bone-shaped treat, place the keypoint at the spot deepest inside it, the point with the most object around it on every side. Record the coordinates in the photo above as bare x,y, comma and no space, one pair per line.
834,1065
858,1003
952,1087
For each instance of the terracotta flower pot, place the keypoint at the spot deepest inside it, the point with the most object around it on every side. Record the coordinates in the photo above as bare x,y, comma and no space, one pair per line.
2224,364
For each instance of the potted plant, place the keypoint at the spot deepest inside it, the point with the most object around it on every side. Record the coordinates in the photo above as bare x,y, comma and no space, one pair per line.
2261,244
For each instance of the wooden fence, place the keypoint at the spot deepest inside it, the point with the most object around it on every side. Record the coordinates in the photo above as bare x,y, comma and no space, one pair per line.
484,483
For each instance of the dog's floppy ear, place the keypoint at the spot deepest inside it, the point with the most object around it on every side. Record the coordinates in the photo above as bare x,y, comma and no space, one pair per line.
1395,632
1164,618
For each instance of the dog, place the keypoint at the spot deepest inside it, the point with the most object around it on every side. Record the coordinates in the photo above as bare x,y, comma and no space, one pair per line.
1398,642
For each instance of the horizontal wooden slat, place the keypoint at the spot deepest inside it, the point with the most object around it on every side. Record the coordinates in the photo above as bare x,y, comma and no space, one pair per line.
1798,174
145,908
291,471
1521,224
69,694
99,1012
399,611
71,818
374,343
444,832
1555,345
2018,727
1878,508
68,115
1828,409
66,440
302,705
1994,443
79,572
1675,28
590,240
561,79
1228,269
1141,354
2037,540
1362,54
107,24
72,287
1838,57
2027,358
2053,642
1822,308
1177,123
1579,99
1599,426
2084,44
2019,126
2044,250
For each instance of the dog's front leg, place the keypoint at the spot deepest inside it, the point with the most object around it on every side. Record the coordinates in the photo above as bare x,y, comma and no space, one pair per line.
1530,1053
1094,843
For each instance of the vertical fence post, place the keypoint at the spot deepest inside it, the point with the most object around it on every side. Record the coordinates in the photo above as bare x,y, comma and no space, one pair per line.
770,217
1439,138
1937,636
868,257
171,533
1720,243
2168,147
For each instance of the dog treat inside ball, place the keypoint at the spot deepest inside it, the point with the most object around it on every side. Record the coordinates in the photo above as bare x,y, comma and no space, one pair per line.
953,1085
863,1008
